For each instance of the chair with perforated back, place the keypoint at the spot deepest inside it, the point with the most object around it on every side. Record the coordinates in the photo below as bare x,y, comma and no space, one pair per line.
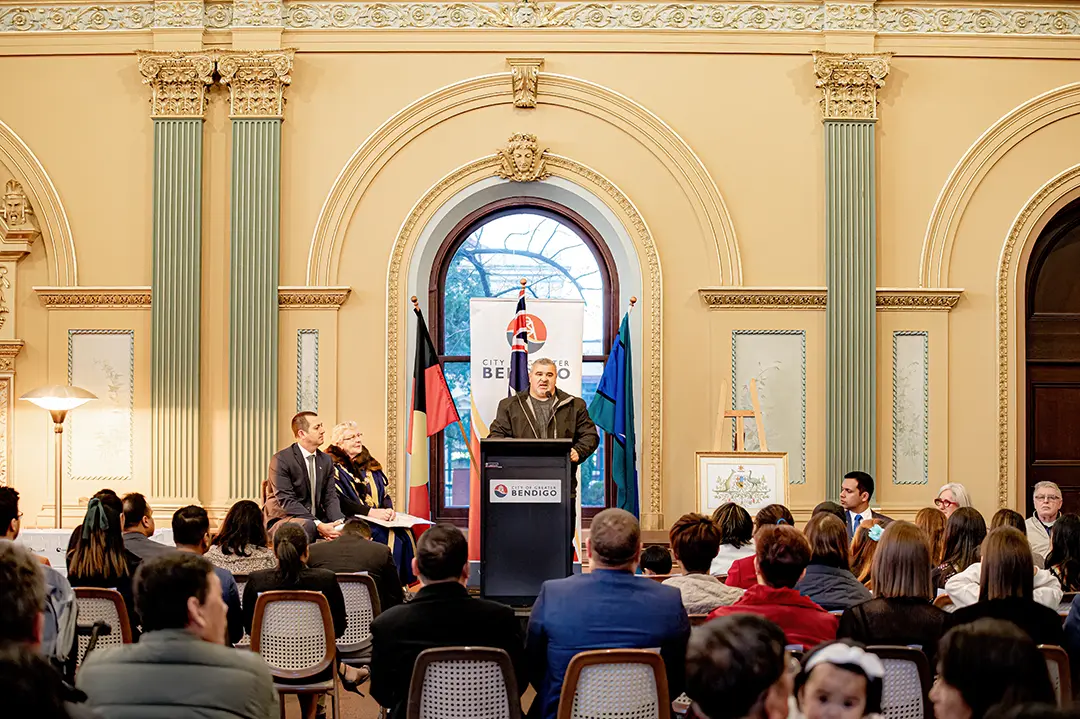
907,683
624,683
106,609
361,608
1057,664
463,683
241,582
294,633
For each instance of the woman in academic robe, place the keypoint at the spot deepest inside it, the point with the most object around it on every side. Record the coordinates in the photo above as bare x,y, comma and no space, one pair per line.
361,487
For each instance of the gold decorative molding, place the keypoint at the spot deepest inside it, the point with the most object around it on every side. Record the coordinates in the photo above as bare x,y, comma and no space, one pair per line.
17,229
773,298
522,160
9,350
849,83
312,298
256,80
917,299
525,77
94,298
179,82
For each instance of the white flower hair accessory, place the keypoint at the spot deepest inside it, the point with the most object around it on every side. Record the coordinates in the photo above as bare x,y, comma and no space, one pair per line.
840,653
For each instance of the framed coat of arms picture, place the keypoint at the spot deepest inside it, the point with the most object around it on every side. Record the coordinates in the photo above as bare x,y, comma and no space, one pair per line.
749,479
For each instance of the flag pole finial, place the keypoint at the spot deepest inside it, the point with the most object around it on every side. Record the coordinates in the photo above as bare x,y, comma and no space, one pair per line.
524,282
415,302
633,301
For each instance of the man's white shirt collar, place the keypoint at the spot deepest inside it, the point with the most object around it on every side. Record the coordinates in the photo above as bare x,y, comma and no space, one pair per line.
304,452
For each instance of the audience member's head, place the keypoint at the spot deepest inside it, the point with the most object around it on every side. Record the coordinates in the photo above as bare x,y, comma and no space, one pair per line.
356,527
1047,498
9,513
1008,569
1008,518
138,517
901,566
736,668
964,534
291,550
181,591
831,508
29,684
191,529
781,555
828,541
110,499
863,547
952,497
1064,557
736,527
986,663
772,514
840,680
655,560
695,540
614,540
442,555
243,528
22,595
856,490
99,547
932,521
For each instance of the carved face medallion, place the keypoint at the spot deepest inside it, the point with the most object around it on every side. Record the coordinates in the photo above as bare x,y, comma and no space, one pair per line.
523,158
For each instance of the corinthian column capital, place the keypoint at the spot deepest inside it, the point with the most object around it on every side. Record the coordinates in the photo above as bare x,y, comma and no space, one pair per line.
178,81
257,80
849,83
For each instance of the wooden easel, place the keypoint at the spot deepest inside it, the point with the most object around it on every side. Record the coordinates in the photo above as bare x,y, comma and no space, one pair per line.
723,414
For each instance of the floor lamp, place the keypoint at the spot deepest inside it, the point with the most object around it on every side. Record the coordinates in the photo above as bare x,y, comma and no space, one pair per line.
59,400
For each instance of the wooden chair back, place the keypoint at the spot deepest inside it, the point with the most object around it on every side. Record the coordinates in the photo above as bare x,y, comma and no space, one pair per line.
463,683
906,687
361,608
294,633
105,609
628,683
1057,664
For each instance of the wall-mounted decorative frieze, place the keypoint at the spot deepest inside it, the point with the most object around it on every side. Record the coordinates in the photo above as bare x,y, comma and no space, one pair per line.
179,82
312,298
179,14
849,16
525,76
17,228
849,83
9,350
94,298
522,160
257,13
772,298
256,80
917,299
217,15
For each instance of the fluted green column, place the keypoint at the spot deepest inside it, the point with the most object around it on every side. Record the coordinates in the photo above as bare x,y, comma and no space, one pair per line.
254,249
179,83
850,83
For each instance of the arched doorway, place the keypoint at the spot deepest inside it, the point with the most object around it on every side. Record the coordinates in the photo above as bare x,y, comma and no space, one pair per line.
1053,358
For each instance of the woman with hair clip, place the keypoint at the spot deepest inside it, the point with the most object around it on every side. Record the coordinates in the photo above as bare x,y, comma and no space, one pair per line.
839,680
99,559
241,545
863,547
965,531
292,573
742,573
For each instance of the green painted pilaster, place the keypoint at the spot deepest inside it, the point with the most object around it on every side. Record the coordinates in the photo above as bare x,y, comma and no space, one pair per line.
253,303
174,314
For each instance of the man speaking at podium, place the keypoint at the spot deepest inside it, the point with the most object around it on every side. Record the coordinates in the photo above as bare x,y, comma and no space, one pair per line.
544,412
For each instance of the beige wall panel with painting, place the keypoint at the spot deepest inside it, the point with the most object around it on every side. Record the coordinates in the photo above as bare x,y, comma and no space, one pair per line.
311,361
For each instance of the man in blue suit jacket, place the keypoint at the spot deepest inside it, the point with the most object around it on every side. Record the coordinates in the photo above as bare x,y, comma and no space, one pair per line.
609,608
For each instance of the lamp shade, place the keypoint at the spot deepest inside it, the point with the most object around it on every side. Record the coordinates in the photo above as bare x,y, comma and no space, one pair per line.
59,397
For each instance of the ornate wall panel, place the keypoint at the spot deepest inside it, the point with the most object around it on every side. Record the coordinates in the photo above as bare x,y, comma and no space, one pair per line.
99,437
307,370
777,360
911,407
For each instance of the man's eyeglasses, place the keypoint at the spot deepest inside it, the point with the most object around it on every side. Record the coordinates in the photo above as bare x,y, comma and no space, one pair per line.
943,503
1047,498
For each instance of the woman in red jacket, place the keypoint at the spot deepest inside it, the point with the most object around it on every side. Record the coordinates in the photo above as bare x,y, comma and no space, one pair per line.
742,573
781,558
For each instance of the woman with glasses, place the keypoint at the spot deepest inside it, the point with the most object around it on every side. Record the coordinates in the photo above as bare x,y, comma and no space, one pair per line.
952,497
1047,496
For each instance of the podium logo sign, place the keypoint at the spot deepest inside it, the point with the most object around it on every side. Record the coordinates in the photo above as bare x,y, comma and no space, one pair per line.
531,491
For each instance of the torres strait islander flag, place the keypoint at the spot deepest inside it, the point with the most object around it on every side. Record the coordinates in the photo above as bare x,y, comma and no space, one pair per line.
432,411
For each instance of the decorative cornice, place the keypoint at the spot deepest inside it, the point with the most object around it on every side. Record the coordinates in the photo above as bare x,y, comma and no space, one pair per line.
312,298
257,80
892,299
179,14
850,16
257,13
849,83
94,298
524,78
179,82
9,350
773,298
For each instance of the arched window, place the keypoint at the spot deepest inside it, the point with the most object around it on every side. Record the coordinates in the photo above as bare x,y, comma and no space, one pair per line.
486,255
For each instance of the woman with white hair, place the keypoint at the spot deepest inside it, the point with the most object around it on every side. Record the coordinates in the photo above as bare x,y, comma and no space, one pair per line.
952,497
361,487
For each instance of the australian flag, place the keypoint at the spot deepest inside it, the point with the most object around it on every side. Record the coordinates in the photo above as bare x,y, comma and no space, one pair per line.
519,348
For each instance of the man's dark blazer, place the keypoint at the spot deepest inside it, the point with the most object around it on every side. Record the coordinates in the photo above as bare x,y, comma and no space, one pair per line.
441,615
287,489
350,553
873,515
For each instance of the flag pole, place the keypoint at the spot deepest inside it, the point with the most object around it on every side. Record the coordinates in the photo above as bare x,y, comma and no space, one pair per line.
464,435
633,301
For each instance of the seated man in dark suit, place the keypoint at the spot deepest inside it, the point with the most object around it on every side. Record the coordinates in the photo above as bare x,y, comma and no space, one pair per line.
354,552
300,488
609,608
855,493
442,615
139,528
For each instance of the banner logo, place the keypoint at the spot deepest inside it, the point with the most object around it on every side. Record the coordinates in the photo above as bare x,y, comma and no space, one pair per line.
527,491
537,332
500,490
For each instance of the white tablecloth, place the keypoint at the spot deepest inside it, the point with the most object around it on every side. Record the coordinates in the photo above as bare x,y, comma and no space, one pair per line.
52,543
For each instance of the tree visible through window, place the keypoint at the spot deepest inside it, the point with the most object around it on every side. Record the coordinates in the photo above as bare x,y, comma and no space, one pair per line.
487,257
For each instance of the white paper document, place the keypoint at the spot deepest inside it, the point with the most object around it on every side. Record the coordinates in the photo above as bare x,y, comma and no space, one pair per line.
400,520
